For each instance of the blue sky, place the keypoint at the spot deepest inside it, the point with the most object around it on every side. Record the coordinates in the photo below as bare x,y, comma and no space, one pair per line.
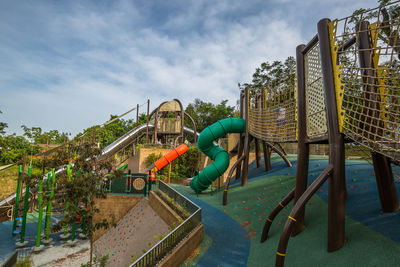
67,65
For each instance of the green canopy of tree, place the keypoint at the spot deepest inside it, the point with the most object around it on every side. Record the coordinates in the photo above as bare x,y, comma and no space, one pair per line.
13,147
37,136
82,186
110,132
206,113
3,126
275,74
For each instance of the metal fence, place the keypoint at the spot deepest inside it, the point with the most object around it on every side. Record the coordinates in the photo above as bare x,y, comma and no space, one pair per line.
168,243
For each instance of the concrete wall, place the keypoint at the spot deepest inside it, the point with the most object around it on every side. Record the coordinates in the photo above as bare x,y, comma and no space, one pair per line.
188,244
163,210
113,206
136,162
184,249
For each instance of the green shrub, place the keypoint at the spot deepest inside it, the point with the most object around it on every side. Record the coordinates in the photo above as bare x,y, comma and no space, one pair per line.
186,165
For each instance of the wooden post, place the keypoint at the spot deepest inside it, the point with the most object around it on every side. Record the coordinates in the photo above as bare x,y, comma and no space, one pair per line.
337,180
245,170
241,138
303,148
267,158
137,113
147,128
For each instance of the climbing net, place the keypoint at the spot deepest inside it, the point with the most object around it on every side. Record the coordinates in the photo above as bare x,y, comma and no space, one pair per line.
367,56
273,111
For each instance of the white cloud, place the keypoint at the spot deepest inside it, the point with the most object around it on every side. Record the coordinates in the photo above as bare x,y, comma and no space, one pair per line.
90,61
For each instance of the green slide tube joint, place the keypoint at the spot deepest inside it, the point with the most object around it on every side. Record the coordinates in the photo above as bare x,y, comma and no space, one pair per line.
220,157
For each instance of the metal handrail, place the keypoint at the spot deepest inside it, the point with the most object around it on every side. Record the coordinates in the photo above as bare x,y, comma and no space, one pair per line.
170,241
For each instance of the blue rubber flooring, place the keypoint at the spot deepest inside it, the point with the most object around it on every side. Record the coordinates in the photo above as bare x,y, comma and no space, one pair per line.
7,243
230,244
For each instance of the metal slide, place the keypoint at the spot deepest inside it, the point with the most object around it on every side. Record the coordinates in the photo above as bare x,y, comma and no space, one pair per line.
128,138
108,151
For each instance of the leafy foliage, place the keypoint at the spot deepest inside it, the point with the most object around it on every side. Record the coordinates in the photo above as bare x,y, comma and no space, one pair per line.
112,131
3,126
206,113
186,165
182,167
36,135
274,75
100,262
13,147
85,183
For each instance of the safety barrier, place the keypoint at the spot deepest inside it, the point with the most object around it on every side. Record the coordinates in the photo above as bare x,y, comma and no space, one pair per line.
153,256
367,85
273,111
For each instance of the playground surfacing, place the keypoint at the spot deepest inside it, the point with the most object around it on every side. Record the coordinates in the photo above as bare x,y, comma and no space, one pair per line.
373,238
233,231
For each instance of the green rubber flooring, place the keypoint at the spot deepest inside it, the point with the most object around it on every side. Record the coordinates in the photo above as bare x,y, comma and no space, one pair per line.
250,205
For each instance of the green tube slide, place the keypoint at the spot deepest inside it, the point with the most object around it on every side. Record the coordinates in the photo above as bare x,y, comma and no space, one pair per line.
219,156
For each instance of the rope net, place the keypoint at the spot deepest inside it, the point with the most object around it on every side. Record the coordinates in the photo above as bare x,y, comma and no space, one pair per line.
367,51
273,111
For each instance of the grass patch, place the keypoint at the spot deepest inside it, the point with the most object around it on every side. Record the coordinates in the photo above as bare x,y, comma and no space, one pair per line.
9,180
181,211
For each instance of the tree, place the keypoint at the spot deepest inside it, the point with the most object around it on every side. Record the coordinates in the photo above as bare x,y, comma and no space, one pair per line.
13,147
274,75
112,131
3,126
36,135
82,186
206,113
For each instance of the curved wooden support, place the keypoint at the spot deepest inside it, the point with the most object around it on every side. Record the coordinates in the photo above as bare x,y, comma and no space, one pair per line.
280,153
271,217
290,222
226,186
282,148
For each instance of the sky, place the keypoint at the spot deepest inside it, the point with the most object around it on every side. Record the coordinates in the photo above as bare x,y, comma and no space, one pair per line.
68,65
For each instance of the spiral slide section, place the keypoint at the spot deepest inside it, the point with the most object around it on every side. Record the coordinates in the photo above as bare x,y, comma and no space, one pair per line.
220,157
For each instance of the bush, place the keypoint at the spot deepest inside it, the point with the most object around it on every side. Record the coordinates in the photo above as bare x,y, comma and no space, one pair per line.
186,165
182,167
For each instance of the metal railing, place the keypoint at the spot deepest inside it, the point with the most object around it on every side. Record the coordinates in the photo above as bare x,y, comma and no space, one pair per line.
169,242
20,255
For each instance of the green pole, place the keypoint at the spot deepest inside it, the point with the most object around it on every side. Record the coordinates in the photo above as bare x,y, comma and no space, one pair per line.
17,200
47,217
75,203
48,211
198,171
69,173
25,207
39,227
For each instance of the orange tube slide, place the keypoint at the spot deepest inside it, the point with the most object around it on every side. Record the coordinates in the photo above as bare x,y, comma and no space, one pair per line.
170,156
